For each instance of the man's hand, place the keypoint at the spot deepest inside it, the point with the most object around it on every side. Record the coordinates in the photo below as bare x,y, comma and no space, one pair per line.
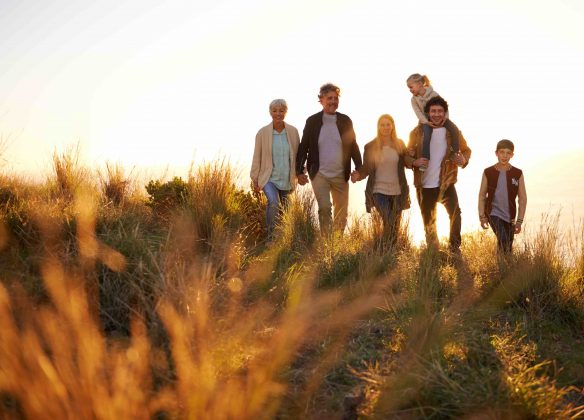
302,179
484,223
355,176
431,124
517,228
421,162
459,159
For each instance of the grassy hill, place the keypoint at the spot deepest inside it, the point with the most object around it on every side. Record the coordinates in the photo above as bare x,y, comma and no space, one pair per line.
119,301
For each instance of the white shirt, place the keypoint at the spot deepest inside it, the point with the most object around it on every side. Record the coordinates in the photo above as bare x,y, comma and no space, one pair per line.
438,148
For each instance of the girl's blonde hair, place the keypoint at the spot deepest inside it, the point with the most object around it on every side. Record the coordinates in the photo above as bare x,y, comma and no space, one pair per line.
419,78
393,140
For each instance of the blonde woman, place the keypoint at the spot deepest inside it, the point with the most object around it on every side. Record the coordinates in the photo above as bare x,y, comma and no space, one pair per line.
387,189
274,160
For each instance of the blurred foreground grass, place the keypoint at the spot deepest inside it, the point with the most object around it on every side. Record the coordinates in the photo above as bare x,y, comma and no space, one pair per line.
119,302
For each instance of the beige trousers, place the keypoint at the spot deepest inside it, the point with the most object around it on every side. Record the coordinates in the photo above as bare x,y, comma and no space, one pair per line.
324,188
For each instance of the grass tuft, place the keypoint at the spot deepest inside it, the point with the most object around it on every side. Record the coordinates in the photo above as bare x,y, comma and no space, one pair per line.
115,304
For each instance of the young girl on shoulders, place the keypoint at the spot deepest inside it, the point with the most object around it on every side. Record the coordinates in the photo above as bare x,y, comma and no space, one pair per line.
422,91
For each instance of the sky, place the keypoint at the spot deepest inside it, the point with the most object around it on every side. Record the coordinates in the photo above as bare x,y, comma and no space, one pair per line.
164,84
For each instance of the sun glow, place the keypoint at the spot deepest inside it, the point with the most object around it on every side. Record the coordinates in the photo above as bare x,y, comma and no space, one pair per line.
164,85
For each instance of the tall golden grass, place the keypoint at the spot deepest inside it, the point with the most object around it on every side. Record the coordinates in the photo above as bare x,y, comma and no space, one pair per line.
108,311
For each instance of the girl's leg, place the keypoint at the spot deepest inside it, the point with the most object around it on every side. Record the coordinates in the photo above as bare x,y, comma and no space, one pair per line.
426,142
454,134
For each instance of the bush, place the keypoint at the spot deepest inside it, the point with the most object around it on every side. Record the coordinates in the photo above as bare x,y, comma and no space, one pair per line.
164,197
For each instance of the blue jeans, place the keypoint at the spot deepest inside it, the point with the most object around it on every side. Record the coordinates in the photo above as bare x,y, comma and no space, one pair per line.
388,208
504,231
277,199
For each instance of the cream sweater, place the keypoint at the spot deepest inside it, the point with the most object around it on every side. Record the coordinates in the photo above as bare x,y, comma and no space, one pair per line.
419,102
261,166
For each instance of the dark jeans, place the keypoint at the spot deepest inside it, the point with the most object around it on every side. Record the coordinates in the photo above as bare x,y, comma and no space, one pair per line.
277,199
454,134
504,231
428,198
389,209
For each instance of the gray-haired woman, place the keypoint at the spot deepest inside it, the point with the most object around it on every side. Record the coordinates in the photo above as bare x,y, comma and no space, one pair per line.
274,160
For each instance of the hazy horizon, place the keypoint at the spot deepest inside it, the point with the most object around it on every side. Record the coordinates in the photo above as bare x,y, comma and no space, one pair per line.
156,85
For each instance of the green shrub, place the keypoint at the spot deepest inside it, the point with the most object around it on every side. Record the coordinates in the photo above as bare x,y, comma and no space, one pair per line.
166,196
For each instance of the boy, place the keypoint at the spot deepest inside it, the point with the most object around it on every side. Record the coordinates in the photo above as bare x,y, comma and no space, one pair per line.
501,186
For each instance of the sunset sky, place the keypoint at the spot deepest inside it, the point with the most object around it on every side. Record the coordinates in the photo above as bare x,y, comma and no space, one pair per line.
152,84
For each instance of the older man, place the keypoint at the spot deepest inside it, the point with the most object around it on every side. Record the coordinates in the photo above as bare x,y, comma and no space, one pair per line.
328,144
436,183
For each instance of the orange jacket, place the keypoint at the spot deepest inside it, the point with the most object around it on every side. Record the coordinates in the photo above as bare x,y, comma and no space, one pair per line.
448,169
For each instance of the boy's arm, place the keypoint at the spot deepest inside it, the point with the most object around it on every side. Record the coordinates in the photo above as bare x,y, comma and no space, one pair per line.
482,198
522,199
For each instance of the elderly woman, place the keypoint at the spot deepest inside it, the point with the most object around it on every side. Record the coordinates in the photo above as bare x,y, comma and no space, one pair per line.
274,160
387,189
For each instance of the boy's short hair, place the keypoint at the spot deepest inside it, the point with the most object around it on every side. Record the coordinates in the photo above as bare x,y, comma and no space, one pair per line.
505,144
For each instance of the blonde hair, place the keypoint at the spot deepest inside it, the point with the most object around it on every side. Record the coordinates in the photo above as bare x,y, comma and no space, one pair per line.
419,78
393,140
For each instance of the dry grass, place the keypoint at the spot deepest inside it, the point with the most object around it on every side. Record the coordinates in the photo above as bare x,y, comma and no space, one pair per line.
110,312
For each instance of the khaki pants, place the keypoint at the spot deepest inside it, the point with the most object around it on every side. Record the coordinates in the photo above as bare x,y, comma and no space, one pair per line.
323,188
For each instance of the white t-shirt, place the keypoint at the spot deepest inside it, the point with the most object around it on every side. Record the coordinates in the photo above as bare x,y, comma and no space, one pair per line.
438,147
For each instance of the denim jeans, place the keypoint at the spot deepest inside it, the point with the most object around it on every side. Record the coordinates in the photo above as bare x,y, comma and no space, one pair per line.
428,198
388,208
504,231
277,199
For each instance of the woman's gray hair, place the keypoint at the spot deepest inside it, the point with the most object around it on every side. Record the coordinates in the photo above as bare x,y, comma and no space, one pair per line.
278,102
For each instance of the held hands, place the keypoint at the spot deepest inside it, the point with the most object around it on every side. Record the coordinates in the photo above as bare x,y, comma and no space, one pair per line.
355,176
302,179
